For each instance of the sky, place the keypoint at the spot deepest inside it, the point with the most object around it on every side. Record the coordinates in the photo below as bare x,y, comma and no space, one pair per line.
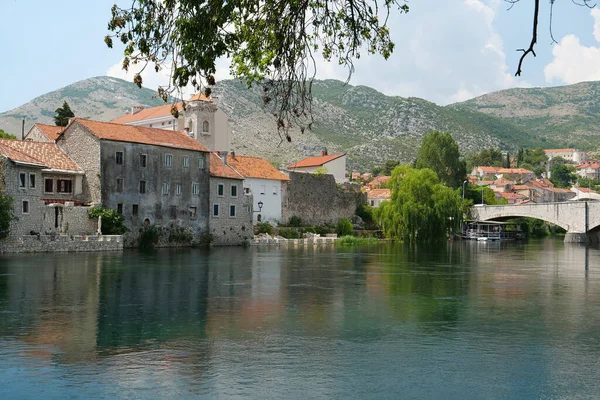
447,52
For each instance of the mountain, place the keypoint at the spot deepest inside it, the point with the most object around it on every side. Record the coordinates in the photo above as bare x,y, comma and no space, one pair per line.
564,116
370,126
102,98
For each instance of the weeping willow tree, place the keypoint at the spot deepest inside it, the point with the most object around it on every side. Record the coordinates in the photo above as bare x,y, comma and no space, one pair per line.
421,208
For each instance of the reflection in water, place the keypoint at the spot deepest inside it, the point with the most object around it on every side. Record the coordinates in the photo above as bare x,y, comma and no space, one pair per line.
466,320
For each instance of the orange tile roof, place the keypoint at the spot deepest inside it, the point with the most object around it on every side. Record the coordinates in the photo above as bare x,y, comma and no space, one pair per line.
502,182
218,169
586,190
44,154
514,171
488,170
200,97
520,187
315,161
148,113
379,194
253,167
559,150
50,131
138,134
511,196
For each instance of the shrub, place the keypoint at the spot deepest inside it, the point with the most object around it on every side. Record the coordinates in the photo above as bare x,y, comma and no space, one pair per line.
290,233
265,227
344,227
365,213
354,241
180,235
113,223
295,221
149,237
6,215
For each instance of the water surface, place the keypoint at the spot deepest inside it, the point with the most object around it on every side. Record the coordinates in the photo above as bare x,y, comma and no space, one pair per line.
462,321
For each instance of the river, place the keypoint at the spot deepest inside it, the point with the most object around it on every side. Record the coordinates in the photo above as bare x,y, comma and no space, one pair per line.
461,320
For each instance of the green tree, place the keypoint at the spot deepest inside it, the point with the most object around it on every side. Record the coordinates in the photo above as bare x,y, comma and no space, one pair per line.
486,157
507,162
344,227
421,209
113,223
439,152
561,176
5,135
269,42
6,215
63,114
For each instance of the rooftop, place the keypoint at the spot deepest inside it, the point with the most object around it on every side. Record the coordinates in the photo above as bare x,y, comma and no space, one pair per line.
379,194
253,167
315,161
44,154
50,131
158,111
221,170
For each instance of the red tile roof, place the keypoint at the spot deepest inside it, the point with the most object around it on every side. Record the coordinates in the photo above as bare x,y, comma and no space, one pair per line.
253,167
220,170
44,154
50,131
379,194
488,170
138,134
520,187
157,112
514,171
559,150
315,161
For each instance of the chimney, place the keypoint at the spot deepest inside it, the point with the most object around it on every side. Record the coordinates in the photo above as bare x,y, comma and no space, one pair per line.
233,154
223,155
324,152
136,109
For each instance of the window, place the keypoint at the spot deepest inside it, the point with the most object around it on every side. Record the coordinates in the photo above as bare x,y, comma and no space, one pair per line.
119,158
142,187
193,212
31,181
48,185
173,212
247,190
215,210
186,162
168,160
232,211
119,185
233,190
178,190
220,189
205,127
120,208
25,207
263,189
64,186
134,210
143,160
201,163
165,188
22,177
195,188
274,190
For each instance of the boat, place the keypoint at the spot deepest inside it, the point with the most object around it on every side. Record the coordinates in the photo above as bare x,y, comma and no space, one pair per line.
483,231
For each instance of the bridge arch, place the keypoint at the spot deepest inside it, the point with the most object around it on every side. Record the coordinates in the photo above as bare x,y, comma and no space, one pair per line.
518,214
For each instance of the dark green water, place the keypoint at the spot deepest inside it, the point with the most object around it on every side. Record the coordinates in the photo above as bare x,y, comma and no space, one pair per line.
462,321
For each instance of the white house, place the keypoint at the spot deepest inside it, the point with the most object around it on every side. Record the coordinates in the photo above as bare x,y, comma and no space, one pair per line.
376,196
264,182
330,164
571,155
201,118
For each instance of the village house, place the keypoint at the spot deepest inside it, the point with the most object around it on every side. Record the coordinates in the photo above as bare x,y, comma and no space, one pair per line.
376,196
589,169
201,118
264,182
379,182
545,192
334,164
230,221
570,155
43,133
150,176
583,193
46,187
483,171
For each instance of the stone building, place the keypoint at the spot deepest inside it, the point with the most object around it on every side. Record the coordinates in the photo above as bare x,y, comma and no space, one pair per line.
201,118
46,187
151,176
43,133
264,182
230,220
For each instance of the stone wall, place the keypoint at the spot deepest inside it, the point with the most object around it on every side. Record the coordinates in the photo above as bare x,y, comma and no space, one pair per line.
60,243
36,135
317,200
225,229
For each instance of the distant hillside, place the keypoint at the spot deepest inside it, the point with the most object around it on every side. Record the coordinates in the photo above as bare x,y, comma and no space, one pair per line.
558,116
368,125
102,98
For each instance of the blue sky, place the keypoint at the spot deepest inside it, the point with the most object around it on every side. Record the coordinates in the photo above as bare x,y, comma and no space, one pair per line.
449,52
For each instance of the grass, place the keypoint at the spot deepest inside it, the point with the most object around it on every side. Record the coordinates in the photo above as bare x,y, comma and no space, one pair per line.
355,241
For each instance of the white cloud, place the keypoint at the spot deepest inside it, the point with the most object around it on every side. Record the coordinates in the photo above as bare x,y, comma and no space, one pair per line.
573,62
596,15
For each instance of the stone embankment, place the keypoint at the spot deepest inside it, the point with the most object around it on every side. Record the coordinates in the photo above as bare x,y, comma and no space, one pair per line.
61,243
264,239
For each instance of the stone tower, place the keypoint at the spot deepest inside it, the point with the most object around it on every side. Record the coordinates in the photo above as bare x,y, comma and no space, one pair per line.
207,123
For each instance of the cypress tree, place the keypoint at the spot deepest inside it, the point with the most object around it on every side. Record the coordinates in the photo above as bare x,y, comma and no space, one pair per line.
63,114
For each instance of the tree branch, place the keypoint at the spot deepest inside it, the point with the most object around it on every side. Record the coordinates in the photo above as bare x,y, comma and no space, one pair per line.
530,49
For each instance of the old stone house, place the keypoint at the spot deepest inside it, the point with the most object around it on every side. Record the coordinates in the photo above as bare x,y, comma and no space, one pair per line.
151,176
264,182
230,216
334,164
43,133
201,118
46,187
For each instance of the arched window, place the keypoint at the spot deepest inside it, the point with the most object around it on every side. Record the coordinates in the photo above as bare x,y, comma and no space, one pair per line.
205,127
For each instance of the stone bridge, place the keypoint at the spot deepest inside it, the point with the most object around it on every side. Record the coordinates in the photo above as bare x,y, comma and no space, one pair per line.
581,219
